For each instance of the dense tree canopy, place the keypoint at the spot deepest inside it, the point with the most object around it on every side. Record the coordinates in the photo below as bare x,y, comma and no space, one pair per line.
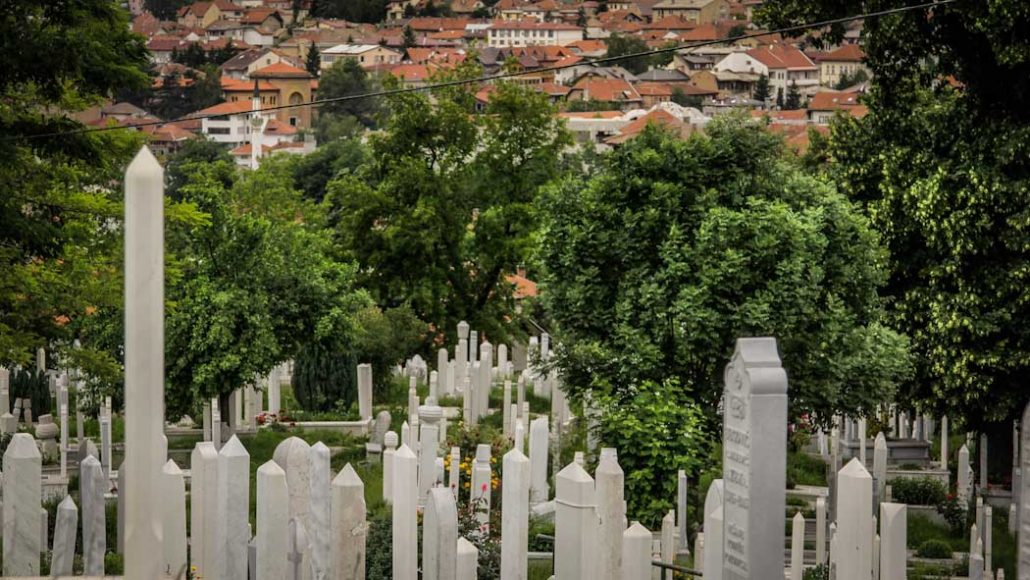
257,281
943,172
444,208
674,248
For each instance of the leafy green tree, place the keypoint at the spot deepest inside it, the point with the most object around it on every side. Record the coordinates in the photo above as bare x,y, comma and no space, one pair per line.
257,281
371,11
444,208
60,195
193,151
313,62
943,174
334,159
793,101
762,89
408,37
736,30
658,431
579,106
849,80
623,44
684,100
779,98
675,248
193,56
344,78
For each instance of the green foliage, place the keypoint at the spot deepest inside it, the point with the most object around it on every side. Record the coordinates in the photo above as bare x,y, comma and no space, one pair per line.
324,379
657,432
804,469
379,556
313,62
624,44
922,529
445,207
371,11
258,282
955,512
793,100
591,105
34,385
331,160
851,79
818,572
193,151
918,490
934,549
408,37
684,100
674,248
345,78
949,191
762,88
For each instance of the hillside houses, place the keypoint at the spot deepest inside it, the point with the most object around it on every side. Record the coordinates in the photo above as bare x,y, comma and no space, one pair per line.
552,44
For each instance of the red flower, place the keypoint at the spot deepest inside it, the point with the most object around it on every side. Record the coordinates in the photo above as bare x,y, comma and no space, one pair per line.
484,487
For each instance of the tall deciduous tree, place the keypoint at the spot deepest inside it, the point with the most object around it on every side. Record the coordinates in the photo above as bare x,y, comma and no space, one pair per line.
675,248
347,78
257,281
444,209
944,173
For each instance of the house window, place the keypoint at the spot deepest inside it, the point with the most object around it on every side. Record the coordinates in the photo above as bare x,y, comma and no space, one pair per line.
217,130
293,121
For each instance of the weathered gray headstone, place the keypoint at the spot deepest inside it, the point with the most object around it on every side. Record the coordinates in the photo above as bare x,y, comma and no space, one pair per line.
405,505
173,520
636,553
320,509
611,510
575,525
440,537
293,455
962,487
348,526
754,459
479,490
880,466
893,537
468,560
365,391
797,546
272,522
515,517
714,531
855,529
390,440
92,486
538,440
65,530
234,495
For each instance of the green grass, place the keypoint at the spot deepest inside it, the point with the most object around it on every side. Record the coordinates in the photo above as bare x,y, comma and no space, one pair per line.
921,528
804,469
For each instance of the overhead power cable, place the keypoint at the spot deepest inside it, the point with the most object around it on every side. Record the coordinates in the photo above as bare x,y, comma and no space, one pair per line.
501,76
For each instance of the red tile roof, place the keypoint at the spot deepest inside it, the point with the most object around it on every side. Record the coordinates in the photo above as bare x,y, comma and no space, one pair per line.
599,89
281,70
233,108
781,56
654,89
658,117
833,101
846,53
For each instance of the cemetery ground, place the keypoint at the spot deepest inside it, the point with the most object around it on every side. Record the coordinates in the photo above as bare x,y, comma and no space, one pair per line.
937,547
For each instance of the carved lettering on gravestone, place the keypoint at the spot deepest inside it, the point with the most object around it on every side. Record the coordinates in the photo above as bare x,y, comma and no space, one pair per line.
754,459
736,451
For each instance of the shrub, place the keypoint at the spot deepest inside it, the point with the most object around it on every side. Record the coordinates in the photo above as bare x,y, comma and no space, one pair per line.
324,378
657,433
934,549
955,513
820,572
918,491
379,556
26,384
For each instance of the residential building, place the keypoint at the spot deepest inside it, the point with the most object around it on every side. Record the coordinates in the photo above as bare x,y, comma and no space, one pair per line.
295,86
844,61
784,65
696,11
523,33
606,90
824,105
368,55
248,61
